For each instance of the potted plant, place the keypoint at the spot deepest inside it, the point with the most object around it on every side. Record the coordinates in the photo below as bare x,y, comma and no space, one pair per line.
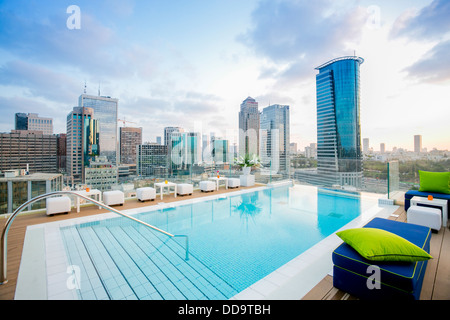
247,162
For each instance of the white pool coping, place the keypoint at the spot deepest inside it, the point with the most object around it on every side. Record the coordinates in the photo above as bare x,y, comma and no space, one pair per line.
44,272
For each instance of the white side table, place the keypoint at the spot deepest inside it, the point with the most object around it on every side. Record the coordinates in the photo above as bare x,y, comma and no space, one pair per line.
92,192
436,203
217,180
162,185
247,180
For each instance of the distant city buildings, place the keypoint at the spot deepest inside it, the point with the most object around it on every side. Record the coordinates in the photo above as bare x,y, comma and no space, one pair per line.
417,143
249,122
33,122
151,159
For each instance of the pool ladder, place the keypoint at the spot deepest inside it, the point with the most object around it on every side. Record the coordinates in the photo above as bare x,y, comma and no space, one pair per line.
4,237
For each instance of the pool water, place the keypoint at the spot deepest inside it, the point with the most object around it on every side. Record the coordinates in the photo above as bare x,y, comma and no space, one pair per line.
234,241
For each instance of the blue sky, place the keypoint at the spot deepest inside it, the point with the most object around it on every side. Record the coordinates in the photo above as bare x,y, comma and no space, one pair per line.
192,63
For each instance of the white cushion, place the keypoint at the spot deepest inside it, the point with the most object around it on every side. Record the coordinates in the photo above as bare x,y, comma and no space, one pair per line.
146,193
58,205
425,216
185,188
113,197
234,182
207,186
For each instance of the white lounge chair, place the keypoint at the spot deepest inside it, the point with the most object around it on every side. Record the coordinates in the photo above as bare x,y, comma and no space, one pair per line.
185,189
113,197
146,193
58,205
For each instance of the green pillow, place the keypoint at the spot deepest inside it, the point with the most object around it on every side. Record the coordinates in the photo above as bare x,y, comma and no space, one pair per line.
381,245
434,182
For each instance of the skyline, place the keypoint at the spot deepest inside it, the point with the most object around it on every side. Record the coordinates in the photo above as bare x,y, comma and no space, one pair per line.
173,64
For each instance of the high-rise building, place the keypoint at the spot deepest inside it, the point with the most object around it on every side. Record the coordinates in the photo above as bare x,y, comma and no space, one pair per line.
382,148
275,138
366,145
61,140
249,123
220,151
167,133
82,141
338,122
185,150
417,143
129,139
33,122
151,159
22,149
105,110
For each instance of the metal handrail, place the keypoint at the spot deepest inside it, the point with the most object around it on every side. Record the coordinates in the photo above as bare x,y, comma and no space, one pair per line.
4,237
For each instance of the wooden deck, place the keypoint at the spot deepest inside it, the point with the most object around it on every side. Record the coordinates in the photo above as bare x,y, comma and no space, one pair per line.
436,284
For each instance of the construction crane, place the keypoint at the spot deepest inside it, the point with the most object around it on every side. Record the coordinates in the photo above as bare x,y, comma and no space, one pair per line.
125,121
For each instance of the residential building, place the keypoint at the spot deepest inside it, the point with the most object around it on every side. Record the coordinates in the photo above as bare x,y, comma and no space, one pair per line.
34,150
417,143
339,159
129,139
249,122
33,122
105,110
275,138
151,159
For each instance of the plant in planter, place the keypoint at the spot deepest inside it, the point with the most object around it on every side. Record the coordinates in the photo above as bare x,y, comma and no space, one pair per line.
247,162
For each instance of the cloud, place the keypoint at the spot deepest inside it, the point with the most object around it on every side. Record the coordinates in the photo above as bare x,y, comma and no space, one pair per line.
431,22
302,34
434,67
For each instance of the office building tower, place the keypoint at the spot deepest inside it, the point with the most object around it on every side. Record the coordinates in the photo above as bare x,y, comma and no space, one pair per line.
27,149
101,174
105,110
338,122
249,123
129,139
382,148
151,159
275,138
61,153
158,140
168,131
220,151
311,151
293,148
185,151
33,122
83,139
417,143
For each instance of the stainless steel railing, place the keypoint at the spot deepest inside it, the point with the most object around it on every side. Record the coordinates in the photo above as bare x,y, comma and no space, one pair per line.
4,237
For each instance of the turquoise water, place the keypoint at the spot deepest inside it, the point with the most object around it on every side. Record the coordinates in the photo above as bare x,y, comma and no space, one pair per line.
234,242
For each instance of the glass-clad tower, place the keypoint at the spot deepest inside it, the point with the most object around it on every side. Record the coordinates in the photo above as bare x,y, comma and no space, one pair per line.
105,110
339,159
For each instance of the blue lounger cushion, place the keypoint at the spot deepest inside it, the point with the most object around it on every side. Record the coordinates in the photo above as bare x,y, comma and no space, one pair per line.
411,193
401,280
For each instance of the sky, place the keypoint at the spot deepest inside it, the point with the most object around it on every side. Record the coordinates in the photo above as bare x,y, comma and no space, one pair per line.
192,63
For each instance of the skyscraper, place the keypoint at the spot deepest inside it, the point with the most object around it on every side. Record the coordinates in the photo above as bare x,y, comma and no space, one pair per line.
275,138
249,127
33,122
129,139
82,141
185,150
105,110
338,122
417,143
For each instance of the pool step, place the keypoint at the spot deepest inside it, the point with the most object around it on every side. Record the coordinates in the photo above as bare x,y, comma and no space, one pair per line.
134,262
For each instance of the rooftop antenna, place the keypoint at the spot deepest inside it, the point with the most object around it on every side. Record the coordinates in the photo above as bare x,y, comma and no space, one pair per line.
99,88
84,86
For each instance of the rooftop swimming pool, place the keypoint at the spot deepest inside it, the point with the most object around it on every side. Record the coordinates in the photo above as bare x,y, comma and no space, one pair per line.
235,240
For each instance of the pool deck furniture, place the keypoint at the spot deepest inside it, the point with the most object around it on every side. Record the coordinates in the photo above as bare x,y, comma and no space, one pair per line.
217,181
436,203
206,186
425,216
58,205
413,193
247,180
113,197
397,280
168,185
185,189
146,193
92,192
234,183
